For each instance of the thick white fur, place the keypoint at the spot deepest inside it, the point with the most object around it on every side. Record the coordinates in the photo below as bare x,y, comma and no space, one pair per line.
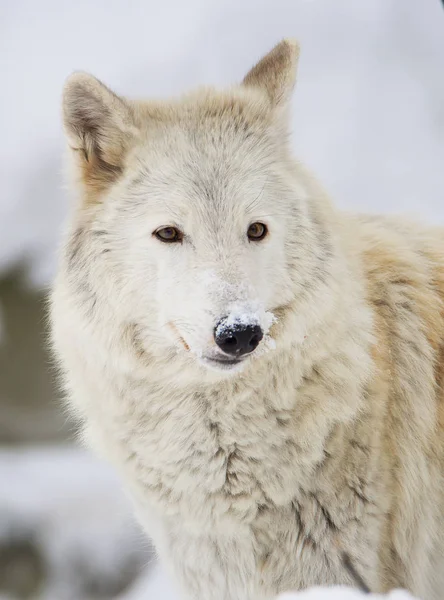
251,481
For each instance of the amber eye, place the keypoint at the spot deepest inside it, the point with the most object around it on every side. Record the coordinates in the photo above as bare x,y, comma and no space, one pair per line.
257,232
169,235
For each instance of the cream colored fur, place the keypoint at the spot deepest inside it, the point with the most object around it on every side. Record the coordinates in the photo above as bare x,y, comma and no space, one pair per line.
329,437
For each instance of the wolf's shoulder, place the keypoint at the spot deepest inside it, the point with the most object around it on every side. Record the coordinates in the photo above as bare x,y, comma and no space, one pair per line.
394,245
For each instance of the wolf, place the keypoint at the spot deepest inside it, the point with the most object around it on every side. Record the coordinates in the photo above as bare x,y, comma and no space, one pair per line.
265,371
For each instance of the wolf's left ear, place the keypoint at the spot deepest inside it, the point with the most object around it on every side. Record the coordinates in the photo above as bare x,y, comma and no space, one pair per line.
275,73
100,128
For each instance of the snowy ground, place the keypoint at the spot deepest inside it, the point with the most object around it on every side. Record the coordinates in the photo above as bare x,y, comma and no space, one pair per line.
342,594
66,515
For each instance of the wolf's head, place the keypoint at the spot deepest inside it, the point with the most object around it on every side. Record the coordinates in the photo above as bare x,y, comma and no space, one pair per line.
193,224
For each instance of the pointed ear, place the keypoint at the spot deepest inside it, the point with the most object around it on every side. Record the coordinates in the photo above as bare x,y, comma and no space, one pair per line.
99,126
275,73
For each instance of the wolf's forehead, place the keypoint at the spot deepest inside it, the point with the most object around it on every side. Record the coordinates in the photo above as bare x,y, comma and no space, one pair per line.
208,165
202,184
208,126
210,109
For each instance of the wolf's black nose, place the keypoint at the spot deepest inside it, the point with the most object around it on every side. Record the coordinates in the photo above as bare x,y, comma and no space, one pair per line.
237,338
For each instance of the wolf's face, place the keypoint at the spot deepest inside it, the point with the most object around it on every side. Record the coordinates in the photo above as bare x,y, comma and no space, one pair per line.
204,221
194,213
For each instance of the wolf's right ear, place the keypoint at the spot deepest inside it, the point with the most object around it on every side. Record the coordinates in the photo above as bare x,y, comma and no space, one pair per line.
100,128
275,73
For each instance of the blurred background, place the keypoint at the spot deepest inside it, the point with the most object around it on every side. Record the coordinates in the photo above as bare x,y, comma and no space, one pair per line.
368,118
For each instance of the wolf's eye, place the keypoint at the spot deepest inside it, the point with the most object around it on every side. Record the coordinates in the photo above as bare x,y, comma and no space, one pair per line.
257,232
169,235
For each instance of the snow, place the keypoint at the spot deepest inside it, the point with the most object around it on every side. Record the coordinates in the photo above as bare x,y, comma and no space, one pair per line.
239,315
73,508
342,593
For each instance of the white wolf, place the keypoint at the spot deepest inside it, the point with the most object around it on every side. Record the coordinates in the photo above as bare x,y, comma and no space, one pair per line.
265,371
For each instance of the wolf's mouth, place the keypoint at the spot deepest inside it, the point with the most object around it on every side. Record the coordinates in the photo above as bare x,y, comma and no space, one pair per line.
221,363
229,361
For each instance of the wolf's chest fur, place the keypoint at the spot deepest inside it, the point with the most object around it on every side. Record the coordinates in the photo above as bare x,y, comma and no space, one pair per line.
244,472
